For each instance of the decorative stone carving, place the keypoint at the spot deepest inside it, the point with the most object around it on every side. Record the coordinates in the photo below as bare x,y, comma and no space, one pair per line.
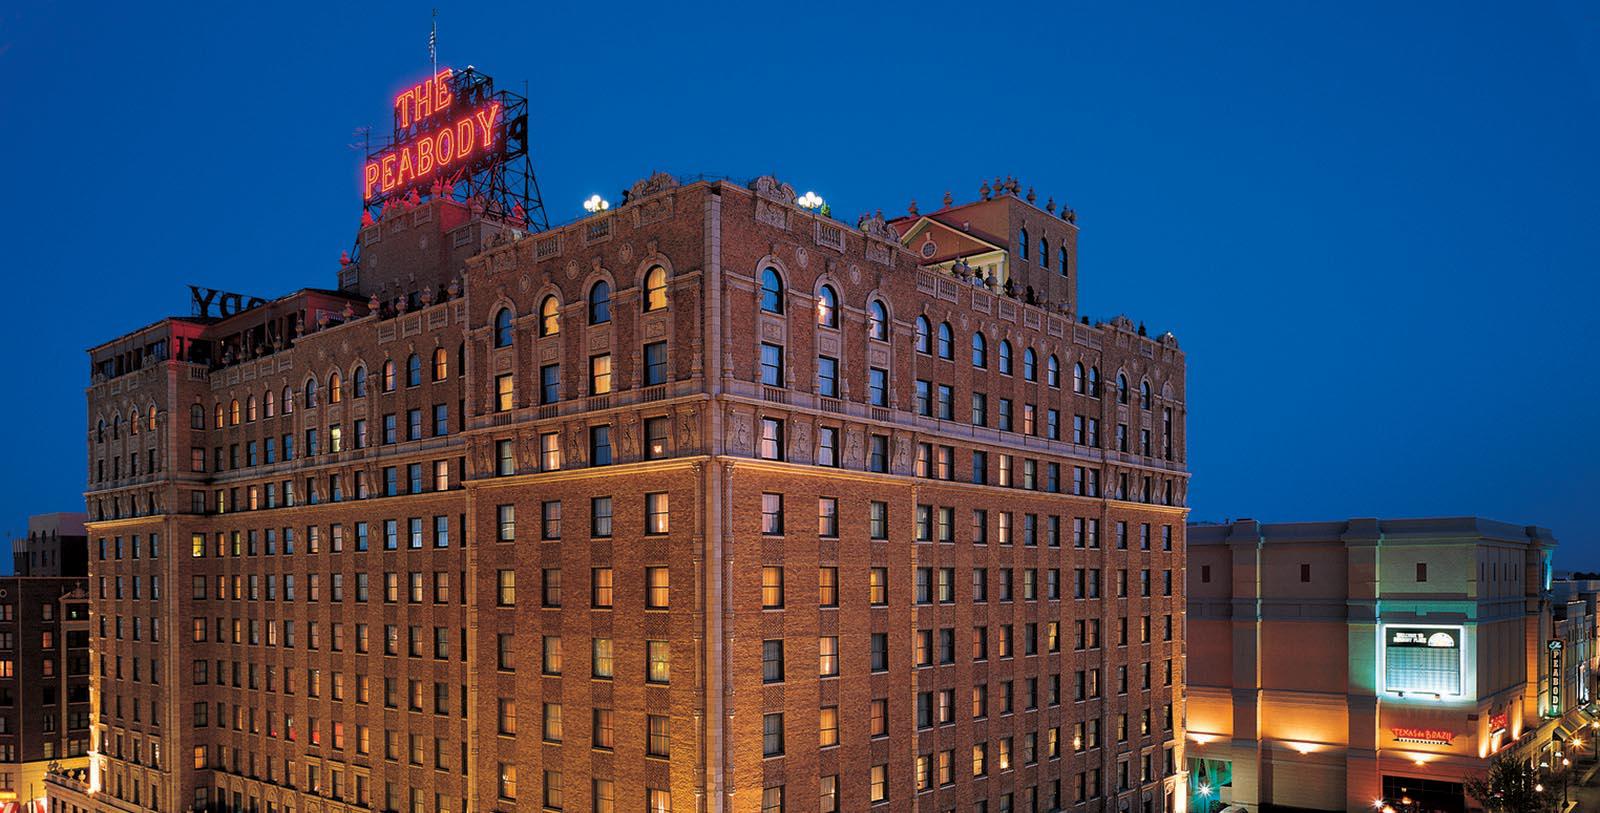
630,432
575,444
656,183
902,453
739,432
769,187
686,429
852,448
875,226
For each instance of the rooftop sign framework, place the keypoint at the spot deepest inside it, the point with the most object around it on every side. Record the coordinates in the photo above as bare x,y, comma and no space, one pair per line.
456,135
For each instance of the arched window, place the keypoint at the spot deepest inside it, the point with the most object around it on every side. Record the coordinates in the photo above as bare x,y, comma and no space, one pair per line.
1052,372
1094,382
197,419
1005,357
133,421
217,416
771,291
502,329
288,400
335,388
827,307
150,417
600,303
358,382
311,393
1144,394
116,426
1122,388
233,412
100,430
947,347
549,316
1061,266
413,370
1022,242
877,321
269,403
1030,364
1044,252
655,288
980,350
1077,377
441,364
250,408
388,375
922,335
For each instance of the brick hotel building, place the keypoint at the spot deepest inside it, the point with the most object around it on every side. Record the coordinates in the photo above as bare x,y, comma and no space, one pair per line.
702,503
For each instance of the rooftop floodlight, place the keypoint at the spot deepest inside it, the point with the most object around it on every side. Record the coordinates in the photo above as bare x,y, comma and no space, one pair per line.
595,203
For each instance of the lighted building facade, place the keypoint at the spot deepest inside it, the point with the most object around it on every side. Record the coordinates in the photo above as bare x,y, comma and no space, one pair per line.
1335,664
701,503
44,661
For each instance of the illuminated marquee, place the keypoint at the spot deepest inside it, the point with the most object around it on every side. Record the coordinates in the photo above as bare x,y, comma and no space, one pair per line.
448,126
1426,736
1426,660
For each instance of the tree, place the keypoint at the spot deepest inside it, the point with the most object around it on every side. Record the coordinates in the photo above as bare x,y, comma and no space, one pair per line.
1511,786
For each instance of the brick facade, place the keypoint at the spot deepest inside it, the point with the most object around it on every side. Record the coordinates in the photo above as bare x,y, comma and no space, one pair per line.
700,449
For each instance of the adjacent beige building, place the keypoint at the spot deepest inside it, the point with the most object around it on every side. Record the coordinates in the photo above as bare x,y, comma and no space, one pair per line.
1336,664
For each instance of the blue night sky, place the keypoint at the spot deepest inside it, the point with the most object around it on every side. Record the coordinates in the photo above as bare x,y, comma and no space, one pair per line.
1373,228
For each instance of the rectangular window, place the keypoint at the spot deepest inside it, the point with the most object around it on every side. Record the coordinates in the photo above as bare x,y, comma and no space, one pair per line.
772,514
827,376
655,438
878,387
656,514
600,445
771,443
503,392
771,365
600,517
550,384
655,363
600,374
827,446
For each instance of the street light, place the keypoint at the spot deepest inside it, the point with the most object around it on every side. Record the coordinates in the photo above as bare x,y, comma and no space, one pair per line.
810,201
595,203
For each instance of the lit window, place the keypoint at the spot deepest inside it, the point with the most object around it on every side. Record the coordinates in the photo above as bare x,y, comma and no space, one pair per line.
600,374
877,321
827,307
549,316
656,513
655,288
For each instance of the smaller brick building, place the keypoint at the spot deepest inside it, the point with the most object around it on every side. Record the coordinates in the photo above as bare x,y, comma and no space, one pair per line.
44,659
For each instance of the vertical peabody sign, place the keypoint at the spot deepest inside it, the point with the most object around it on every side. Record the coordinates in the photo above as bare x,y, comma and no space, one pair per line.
1555,648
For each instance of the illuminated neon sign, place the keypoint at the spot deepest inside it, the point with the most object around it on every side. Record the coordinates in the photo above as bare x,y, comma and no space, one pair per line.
1555,647
1427,736
449,125
1499,722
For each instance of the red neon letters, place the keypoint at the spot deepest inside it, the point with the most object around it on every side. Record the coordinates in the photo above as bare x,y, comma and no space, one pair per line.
411,161
419,157
1434,736
424,100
